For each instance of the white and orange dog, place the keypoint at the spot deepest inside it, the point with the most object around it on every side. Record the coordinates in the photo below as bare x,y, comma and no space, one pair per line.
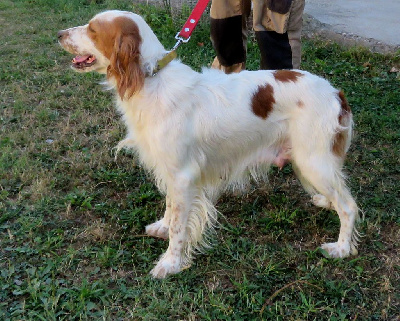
202,133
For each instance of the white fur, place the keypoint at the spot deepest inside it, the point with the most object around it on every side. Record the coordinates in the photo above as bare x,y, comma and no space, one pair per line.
198,135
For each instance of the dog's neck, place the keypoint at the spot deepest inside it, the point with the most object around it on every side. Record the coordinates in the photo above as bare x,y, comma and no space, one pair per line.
152,52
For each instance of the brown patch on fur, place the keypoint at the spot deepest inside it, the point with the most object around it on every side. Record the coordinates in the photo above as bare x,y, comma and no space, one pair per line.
339,142
263,101
300,104
119,40
345,106
287,75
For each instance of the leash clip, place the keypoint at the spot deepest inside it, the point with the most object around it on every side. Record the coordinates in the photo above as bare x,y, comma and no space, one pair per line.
180,41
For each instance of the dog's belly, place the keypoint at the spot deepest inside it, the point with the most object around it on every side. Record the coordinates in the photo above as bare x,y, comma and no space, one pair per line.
284,155
278,155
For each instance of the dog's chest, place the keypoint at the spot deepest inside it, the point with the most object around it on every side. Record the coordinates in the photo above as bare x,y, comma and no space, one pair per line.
149,129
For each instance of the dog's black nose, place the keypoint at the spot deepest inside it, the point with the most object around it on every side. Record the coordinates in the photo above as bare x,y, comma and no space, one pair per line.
60,34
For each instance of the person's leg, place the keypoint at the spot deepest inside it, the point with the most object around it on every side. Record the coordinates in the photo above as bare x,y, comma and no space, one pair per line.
277,25
295,25
229,33
275,50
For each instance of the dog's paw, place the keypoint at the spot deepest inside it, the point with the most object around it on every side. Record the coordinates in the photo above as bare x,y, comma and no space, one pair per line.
166,267
321,201
336,250
158,229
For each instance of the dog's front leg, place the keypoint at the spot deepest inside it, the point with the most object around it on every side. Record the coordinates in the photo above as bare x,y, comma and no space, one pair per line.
182,194
161,227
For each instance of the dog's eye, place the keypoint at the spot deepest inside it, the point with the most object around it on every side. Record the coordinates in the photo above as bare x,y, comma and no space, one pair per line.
91,29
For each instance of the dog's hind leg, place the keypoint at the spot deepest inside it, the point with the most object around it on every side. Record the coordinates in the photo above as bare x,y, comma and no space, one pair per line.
317,199
347,210
161,227
325,176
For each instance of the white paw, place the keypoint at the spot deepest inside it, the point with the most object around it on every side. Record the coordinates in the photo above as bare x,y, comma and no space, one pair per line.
321,201
336,250
158,229
166,266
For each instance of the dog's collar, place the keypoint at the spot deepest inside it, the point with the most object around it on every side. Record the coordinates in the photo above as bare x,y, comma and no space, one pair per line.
164,61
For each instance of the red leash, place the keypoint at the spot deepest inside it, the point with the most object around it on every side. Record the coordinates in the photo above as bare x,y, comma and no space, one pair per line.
183,36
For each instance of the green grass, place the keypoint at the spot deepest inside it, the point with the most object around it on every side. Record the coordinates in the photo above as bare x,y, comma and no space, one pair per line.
72,218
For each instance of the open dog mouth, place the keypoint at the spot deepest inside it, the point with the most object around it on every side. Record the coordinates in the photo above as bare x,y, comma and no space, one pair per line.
81,62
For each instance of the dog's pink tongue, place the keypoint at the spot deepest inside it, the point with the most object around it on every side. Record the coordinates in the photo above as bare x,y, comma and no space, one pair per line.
78,59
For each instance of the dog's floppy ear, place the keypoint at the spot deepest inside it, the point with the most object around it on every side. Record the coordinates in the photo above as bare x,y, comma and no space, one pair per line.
125,63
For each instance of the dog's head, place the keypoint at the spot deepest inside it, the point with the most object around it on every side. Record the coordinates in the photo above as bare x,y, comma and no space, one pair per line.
112,43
